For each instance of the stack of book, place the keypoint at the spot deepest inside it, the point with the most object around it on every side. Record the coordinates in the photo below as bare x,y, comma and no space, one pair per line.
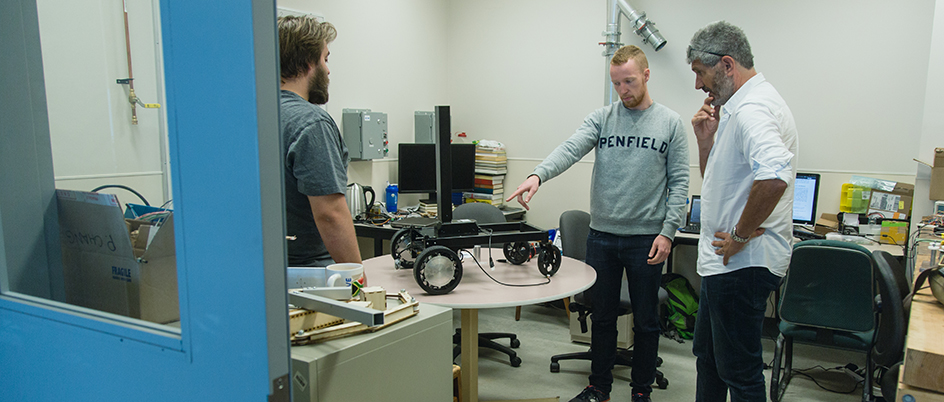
488,189
491,164
428,207
490,160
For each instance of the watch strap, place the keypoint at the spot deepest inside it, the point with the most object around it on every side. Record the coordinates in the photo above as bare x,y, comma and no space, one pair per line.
736,238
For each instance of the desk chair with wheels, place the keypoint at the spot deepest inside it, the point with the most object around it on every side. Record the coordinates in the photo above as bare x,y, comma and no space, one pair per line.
486,213
829,299
895,306
574,229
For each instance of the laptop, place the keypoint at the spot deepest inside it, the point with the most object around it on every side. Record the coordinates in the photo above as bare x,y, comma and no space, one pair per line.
694,216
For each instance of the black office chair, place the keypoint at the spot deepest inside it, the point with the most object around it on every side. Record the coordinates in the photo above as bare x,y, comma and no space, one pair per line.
902,279
829,299
574,229
485,213
894,306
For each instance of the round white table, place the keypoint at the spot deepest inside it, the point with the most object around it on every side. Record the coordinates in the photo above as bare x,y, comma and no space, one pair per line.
477,291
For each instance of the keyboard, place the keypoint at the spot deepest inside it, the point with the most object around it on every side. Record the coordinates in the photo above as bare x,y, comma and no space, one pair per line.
691,228
805,235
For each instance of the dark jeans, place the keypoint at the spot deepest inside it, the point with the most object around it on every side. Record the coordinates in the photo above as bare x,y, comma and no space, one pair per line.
727,335
610,255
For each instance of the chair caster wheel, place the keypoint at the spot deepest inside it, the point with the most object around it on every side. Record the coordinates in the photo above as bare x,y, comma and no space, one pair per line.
515,361
515,343
555,367
662,383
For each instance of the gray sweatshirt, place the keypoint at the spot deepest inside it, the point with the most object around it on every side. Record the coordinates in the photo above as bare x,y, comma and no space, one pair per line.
640,176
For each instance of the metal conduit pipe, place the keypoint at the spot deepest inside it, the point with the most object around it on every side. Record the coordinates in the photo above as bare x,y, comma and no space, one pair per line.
641,26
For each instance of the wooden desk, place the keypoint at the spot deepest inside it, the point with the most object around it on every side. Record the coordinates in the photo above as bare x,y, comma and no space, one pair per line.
922,375
476,291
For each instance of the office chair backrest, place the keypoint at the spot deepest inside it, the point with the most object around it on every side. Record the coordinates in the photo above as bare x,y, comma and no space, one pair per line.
479,212
890,339
897,271
574,229
829,285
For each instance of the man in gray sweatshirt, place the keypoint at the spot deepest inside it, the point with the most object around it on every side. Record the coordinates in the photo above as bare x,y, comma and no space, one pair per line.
638,193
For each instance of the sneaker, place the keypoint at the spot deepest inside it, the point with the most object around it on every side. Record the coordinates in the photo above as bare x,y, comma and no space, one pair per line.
640,397
591,394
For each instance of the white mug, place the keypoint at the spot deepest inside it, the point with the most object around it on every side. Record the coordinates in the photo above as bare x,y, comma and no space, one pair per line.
342,274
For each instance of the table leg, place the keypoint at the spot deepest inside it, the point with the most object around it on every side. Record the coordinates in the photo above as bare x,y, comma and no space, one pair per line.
670,260
378,246
469,349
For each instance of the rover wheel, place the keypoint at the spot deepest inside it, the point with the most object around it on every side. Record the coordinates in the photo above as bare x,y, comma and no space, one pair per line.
549,260
405,247
438,270
518,252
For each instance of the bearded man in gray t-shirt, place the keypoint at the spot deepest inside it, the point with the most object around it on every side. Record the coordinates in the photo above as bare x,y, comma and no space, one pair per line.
316,157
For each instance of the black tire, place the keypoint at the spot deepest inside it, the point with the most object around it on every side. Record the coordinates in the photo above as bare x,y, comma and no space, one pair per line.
549,260
438,270
404,247
518,252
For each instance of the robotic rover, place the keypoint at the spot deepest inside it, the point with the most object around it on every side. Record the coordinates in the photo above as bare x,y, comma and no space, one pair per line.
433,252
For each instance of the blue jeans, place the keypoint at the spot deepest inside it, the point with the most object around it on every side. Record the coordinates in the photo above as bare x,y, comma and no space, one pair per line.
727,347
610,255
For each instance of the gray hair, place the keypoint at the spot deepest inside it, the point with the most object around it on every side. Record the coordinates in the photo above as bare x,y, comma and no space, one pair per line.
720,39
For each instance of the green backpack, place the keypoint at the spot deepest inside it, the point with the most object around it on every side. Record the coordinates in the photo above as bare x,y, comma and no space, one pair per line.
678,314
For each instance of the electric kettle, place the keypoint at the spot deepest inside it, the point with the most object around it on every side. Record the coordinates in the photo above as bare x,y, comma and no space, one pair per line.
357,199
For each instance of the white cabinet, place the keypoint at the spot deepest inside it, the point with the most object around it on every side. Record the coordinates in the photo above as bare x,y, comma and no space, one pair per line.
408,361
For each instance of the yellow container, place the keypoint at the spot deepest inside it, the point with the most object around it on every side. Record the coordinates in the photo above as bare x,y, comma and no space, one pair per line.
854,199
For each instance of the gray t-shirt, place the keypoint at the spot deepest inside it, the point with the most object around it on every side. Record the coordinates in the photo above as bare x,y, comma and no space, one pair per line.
316,161
640,176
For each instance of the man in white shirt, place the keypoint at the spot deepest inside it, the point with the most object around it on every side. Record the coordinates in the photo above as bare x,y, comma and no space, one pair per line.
747,146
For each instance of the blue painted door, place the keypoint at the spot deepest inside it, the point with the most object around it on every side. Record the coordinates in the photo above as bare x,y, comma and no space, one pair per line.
221,77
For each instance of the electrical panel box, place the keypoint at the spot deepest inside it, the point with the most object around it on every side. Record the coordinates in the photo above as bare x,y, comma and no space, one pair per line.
424,127
365,133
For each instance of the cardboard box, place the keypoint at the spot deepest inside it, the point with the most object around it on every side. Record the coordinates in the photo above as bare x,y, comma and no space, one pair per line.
937,175
894,232
827,223
894,204
102,270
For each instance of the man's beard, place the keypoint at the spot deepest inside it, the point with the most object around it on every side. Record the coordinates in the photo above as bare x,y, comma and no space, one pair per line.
634,101
724,88
318,87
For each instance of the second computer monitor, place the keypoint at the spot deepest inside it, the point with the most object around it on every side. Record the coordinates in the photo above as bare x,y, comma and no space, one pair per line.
417,167
694,213
805,194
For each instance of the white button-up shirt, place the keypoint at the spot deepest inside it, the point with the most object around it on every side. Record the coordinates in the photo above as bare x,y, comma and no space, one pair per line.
756,140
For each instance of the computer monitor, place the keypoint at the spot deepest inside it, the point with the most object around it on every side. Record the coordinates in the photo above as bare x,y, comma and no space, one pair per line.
805,194
694,213
417,167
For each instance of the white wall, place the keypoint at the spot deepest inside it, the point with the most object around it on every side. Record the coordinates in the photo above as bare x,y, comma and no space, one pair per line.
93,140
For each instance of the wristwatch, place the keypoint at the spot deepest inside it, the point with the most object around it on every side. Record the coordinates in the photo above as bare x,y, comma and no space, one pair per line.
735,237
